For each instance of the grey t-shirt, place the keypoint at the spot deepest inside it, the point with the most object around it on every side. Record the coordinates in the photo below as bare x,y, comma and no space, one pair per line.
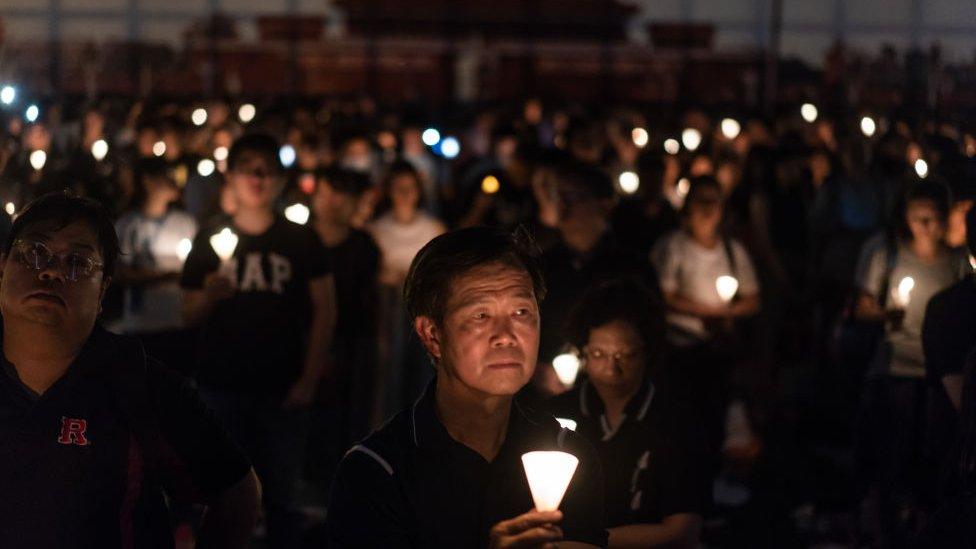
901,353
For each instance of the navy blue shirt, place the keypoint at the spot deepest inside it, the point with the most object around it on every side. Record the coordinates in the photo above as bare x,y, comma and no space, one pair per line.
411,485
74,474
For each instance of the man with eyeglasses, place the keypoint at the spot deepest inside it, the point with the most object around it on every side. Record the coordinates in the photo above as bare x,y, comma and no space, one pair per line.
92,432
266,317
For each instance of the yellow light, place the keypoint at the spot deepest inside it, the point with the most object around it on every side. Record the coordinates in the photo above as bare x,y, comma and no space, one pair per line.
730,128
159,148
199,117
99,149
246,112
629,182
38,159
490,184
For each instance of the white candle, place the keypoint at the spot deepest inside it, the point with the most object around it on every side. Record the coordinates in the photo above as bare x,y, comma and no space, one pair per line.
224,243
727,286
183,249
567,423
567,367
903,294
549,474
297,213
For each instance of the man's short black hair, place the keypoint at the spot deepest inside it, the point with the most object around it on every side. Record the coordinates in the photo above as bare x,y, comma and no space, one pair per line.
260,143
344,181
451,255
62,209
578,181
624,299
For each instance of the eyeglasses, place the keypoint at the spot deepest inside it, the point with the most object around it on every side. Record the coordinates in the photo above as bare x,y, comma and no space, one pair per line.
73,266
594,354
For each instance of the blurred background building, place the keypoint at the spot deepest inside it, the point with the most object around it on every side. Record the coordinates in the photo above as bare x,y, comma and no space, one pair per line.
709,51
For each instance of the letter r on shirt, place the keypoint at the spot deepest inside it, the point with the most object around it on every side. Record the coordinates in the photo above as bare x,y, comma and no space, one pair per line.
73,431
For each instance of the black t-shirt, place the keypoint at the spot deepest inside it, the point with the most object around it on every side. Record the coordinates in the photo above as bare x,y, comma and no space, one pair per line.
73,474
411,485
568,275
254,342
655,462
356,265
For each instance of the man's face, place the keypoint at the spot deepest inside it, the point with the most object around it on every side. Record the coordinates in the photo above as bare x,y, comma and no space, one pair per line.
332,205
489,337
47,296
254,183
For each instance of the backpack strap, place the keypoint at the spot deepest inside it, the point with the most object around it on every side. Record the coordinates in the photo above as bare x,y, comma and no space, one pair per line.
730,255
891,259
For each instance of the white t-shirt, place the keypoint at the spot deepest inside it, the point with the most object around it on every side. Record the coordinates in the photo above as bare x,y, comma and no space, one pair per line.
690,269
903,356
400,242
151,244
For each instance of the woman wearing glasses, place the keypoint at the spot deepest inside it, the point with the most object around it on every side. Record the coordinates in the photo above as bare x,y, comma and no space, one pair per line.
654,460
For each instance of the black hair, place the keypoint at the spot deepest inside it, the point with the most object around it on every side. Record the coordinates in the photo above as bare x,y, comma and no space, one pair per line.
449,256
578,181
696,187
63,209
397,168
344,181
971,230
260,143
929,190
624,299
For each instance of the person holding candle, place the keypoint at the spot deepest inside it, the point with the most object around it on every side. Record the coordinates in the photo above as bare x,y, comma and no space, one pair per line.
149,271
266,315
897,275
655,461
448,471
97,436
709,284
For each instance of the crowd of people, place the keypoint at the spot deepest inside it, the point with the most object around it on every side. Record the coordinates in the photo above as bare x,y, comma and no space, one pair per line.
760,327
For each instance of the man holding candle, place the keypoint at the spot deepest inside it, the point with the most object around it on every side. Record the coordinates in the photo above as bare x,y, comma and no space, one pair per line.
92,431
447,472
266,314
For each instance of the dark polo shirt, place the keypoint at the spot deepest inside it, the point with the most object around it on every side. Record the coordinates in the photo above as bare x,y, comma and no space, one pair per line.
72,472
655,462
411,485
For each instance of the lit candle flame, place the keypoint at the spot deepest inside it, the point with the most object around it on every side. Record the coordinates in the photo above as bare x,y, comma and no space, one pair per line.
809,112
99,149
224,243
629,182
183,249
730,128
297,213
903,294
727,286
566,423
691,139
567,367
